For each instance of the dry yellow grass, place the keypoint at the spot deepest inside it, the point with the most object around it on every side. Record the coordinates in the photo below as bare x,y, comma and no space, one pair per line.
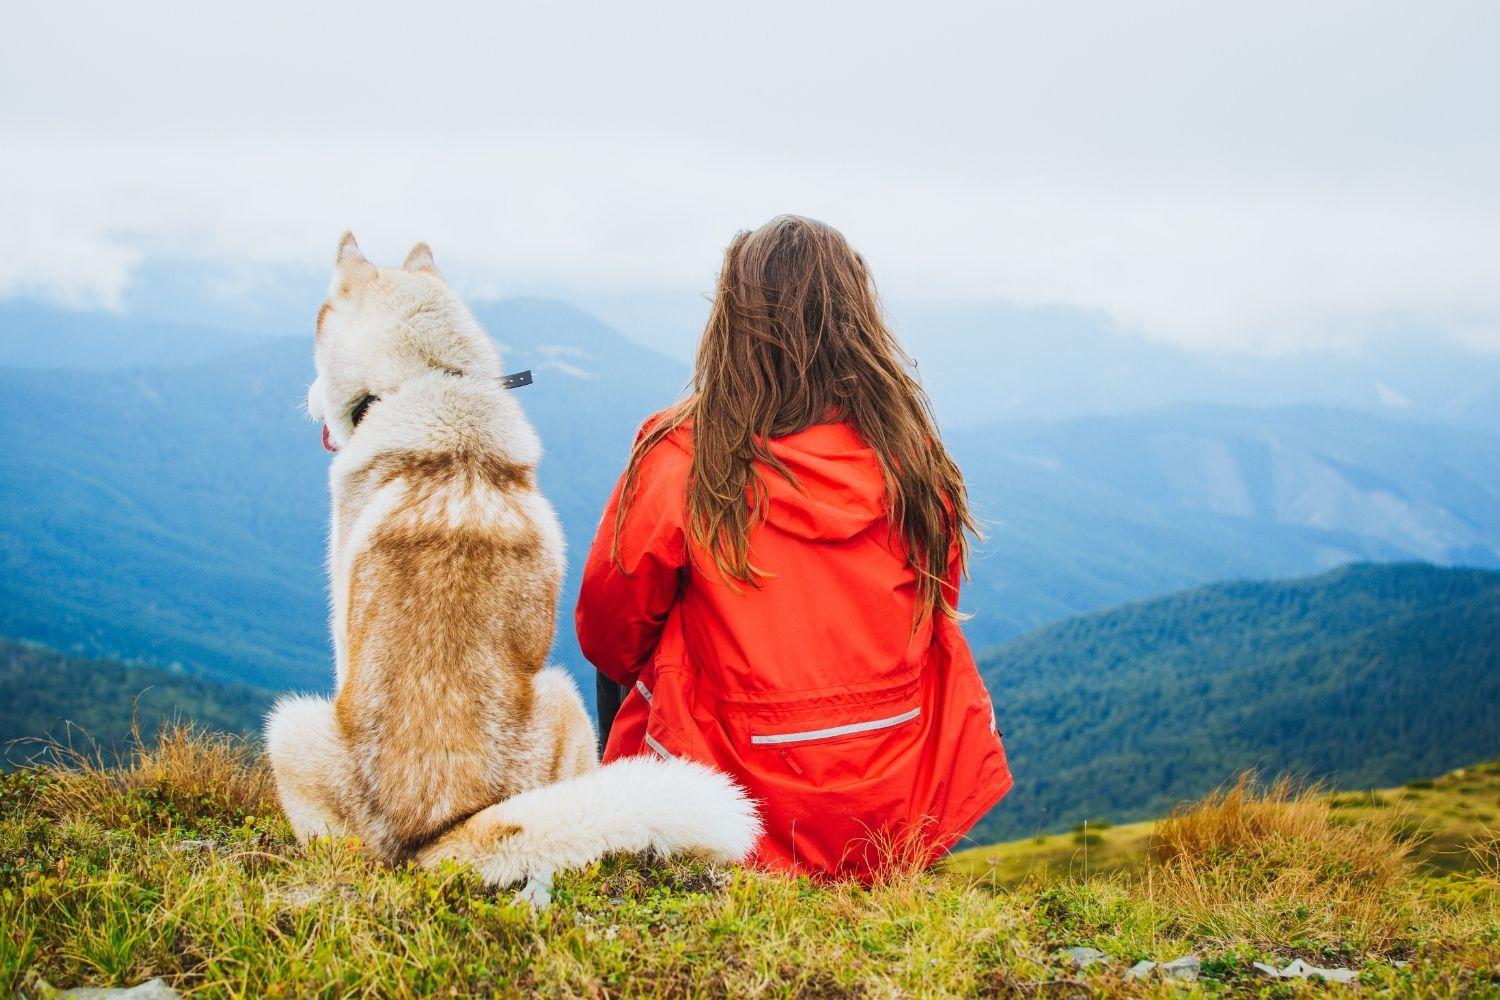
1486,853
1268,862
1441,818
184,775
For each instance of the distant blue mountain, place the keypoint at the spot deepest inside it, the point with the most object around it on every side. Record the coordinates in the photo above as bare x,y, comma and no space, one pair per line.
177,515
991,361
36,335
1091,512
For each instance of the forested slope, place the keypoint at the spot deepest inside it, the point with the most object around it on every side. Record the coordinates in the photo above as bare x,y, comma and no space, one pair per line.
1370,675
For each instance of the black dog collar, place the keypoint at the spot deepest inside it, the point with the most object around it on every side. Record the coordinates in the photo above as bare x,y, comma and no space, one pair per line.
512,381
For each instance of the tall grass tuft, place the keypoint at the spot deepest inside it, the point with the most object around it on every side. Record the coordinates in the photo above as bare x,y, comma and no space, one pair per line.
1486,853
1271,861
185,779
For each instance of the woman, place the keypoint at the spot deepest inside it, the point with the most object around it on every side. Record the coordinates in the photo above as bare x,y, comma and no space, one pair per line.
775,580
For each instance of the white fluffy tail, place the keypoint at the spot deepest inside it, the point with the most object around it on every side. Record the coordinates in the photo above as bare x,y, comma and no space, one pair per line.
636,804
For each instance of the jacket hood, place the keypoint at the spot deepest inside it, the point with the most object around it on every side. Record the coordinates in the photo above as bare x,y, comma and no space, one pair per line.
839,491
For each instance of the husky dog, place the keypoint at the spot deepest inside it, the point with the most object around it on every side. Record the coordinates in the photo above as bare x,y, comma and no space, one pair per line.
448,737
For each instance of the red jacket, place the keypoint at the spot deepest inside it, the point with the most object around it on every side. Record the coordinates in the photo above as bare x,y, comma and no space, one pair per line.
865,743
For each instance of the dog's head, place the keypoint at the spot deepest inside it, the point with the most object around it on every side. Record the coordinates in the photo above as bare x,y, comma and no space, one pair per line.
381,326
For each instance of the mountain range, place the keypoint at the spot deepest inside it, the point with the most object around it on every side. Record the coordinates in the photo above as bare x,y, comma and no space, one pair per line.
176,515
1091,512
164,497
987,361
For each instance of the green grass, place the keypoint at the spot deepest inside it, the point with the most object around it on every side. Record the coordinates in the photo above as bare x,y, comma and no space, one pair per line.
177,865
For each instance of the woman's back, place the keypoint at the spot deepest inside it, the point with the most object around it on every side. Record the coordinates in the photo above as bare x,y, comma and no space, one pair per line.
836,603
777,574
868,741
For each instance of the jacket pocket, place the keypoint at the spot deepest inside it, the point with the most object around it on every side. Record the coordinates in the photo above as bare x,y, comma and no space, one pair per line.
832,738
828,733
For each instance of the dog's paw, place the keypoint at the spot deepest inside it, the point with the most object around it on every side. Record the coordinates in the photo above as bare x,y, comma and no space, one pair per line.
537,892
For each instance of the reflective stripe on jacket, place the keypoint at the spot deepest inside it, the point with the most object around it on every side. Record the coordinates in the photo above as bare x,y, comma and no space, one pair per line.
865,741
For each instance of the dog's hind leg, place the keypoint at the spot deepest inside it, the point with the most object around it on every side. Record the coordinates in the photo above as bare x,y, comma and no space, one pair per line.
311,765
564,726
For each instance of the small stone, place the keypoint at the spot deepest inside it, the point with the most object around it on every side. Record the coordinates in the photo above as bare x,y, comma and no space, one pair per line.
1298,969
1085,957
149,990
1336,975
1140,970
1184,969
189,846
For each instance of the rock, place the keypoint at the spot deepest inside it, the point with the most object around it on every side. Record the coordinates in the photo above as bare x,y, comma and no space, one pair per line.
151,989
1298,969
1085,957
1184,969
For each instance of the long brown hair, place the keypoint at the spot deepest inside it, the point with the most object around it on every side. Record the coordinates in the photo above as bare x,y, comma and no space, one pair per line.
796,338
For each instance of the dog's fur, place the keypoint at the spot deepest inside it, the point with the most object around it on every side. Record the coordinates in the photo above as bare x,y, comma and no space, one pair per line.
448,736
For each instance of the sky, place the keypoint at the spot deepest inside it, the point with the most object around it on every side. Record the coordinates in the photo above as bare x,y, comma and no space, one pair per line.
1271,177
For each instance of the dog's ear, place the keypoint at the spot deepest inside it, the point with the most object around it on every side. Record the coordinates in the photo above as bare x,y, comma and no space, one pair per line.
350,265
420,259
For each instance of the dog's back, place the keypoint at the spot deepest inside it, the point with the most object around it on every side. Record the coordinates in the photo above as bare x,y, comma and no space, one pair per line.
445,563
450,567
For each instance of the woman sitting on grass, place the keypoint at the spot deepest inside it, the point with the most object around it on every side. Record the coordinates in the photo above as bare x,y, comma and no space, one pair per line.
774,584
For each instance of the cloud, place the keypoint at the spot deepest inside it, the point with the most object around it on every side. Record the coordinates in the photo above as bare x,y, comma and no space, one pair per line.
1276,178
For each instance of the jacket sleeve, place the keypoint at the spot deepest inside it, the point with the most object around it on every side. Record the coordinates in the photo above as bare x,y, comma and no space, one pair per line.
623,606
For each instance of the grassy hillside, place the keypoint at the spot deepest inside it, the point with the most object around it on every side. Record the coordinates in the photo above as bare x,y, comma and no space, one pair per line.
1369,675
1440,818
46,695
179,867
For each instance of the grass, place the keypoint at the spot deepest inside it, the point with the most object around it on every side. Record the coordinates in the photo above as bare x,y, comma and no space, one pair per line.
176,864
1441,817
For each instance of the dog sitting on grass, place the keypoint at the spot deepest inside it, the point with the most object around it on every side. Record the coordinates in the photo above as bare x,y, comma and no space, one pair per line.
448,736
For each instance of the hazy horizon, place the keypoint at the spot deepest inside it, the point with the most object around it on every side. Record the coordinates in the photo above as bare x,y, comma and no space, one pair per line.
1270,180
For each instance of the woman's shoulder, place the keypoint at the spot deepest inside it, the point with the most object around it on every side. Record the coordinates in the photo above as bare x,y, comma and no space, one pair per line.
671,426
670,454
